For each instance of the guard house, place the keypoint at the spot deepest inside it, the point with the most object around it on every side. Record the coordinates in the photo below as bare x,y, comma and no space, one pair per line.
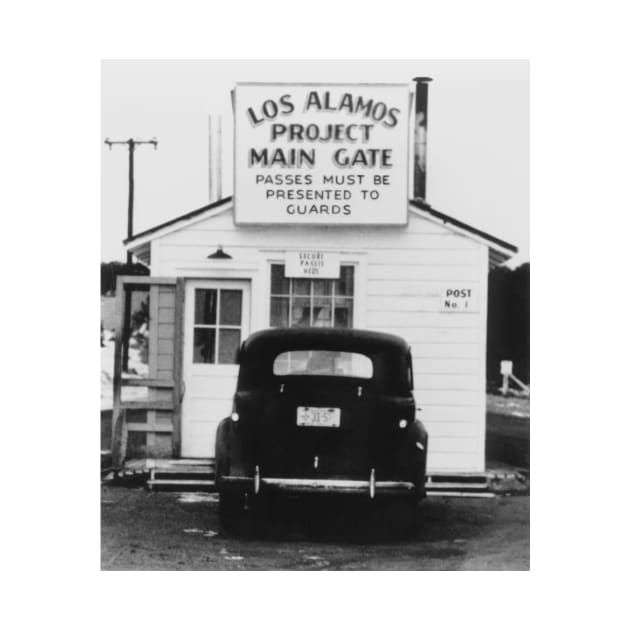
301,244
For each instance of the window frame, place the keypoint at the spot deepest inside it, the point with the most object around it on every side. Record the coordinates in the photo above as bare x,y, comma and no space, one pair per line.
312,296
217,326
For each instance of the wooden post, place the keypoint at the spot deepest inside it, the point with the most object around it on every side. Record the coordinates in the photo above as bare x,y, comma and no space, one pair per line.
117,413
179,386
506,372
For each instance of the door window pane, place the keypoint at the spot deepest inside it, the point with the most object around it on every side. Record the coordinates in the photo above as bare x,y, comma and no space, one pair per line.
217,326
205,306
231,305
204,345
229,343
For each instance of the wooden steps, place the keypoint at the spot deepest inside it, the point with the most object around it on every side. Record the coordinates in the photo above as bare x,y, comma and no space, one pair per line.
456,485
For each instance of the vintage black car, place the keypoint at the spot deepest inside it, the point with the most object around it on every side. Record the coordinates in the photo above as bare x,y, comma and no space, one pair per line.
321,410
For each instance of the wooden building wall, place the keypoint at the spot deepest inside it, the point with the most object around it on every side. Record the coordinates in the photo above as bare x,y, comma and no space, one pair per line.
398,278
145,424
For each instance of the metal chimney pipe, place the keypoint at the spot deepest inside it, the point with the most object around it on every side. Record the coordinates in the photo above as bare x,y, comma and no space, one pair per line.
219,174
420,138
210,163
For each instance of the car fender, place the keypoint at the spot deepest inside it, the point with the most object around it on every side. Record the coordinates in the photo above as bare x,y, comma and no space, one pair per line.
222,448
229,459
417,447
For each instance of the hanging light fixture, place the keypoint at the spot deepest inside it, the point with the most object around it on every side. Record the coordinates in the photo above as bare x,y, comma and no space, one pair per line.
219,254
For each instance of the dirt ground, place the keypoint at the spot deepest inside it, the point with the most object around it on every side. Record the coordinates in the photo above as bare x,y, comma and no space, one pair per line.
175,531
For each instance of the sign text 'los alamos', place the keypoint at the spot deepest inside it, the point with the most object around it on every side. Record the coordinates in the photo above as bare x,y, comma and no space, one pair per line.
321,154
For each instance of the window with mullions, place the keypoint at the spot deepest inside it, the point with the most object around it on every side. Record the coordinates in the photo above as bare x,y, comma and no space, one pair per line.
217,329
301,302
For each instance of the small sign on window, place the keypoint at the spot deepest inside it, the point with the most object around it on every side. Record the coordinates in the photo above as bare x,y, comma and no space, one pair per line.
311,264
459,298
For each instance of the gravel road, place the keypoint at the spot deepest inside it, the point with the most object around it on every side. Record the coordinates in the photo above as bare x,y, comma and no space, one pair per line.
175,531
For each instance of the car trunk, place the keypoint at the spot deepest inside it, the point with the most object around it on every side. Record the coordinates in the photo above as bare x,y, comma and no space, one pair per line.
367,435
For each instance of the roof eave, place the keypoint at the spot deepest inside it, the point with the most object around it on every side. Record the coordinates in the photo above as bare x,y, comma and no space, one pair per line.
501,248
185,219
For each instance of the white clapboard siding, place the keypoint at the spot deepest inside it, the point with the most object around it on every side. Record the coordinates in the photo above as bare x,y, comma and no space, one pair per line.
420,337
449,445
437,350
408,288
444,429
444,462
400,274
227,236
447,382
431,414
452,397
403,303
445,366
406,319
441,273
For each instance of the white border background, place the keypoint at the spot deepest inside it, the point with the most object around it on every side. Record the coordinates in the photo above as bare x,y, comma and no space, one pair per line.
52,145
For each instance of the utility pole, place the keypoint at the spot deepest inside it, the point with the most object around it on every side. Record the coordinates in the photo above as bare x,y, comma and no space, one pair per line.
131,144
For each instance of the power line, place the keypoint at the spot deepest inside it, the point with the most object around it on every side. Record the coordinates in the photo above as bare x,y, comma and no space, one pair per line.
131,144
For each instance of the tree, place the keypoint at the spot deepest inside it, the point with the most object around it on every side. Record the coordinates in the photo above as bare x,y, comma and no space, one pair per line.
111,270
508,322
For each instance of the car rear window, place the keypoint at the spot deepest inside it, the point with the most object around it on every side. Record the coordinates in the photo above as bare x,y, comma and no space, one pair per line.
323,363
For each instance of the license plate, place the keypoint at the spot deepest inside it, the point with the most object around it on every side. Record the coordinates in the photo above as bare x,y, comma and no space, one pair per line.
318,417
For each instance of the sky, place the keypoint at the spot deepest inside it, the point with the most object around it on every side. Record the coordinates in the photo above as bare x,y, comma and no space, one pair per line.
477,139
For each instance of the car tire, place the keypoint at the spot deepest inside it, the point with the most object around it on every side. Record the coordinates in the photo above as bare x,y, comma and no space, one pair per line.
231,508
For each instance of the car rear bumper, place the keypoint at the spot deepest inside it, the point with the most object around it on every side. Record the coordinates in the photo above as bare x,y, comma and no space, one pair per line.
368,487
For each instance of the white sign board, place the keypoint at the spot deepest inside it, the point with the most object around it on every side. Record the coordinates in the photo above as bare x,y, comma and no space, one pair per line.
459,298
311,264
506,368
323,154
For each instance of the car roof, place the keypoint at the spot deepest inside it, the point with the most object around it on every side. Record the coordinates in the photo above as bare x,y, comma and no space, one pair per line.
348,339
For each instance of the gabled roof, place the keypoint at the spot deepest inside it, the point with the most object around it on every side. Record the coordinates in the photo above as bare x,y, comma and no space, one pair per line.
199,212
500,250
445,218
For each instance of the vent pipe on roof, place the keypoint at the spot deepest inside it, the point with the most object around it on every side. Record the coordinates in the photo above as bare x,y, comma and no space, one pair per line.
420,138
215,176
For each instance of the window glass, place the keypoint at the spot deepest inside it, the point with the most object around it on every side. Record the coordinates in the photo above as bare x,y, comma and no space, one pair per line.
280,312
229,343
322,312
322,287
205,306
345,284
231,305
204,345
303,302
301,286
323,363
279,284
217,327
301,312
343,313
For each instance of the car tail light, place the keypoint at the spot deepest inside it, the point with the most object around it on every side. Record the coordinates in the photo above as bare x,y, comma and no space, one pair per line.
235,417
402,424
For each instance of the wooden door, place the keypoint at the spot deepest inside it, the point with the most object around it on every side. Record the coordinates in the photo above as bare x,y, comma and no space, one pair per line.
216,321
